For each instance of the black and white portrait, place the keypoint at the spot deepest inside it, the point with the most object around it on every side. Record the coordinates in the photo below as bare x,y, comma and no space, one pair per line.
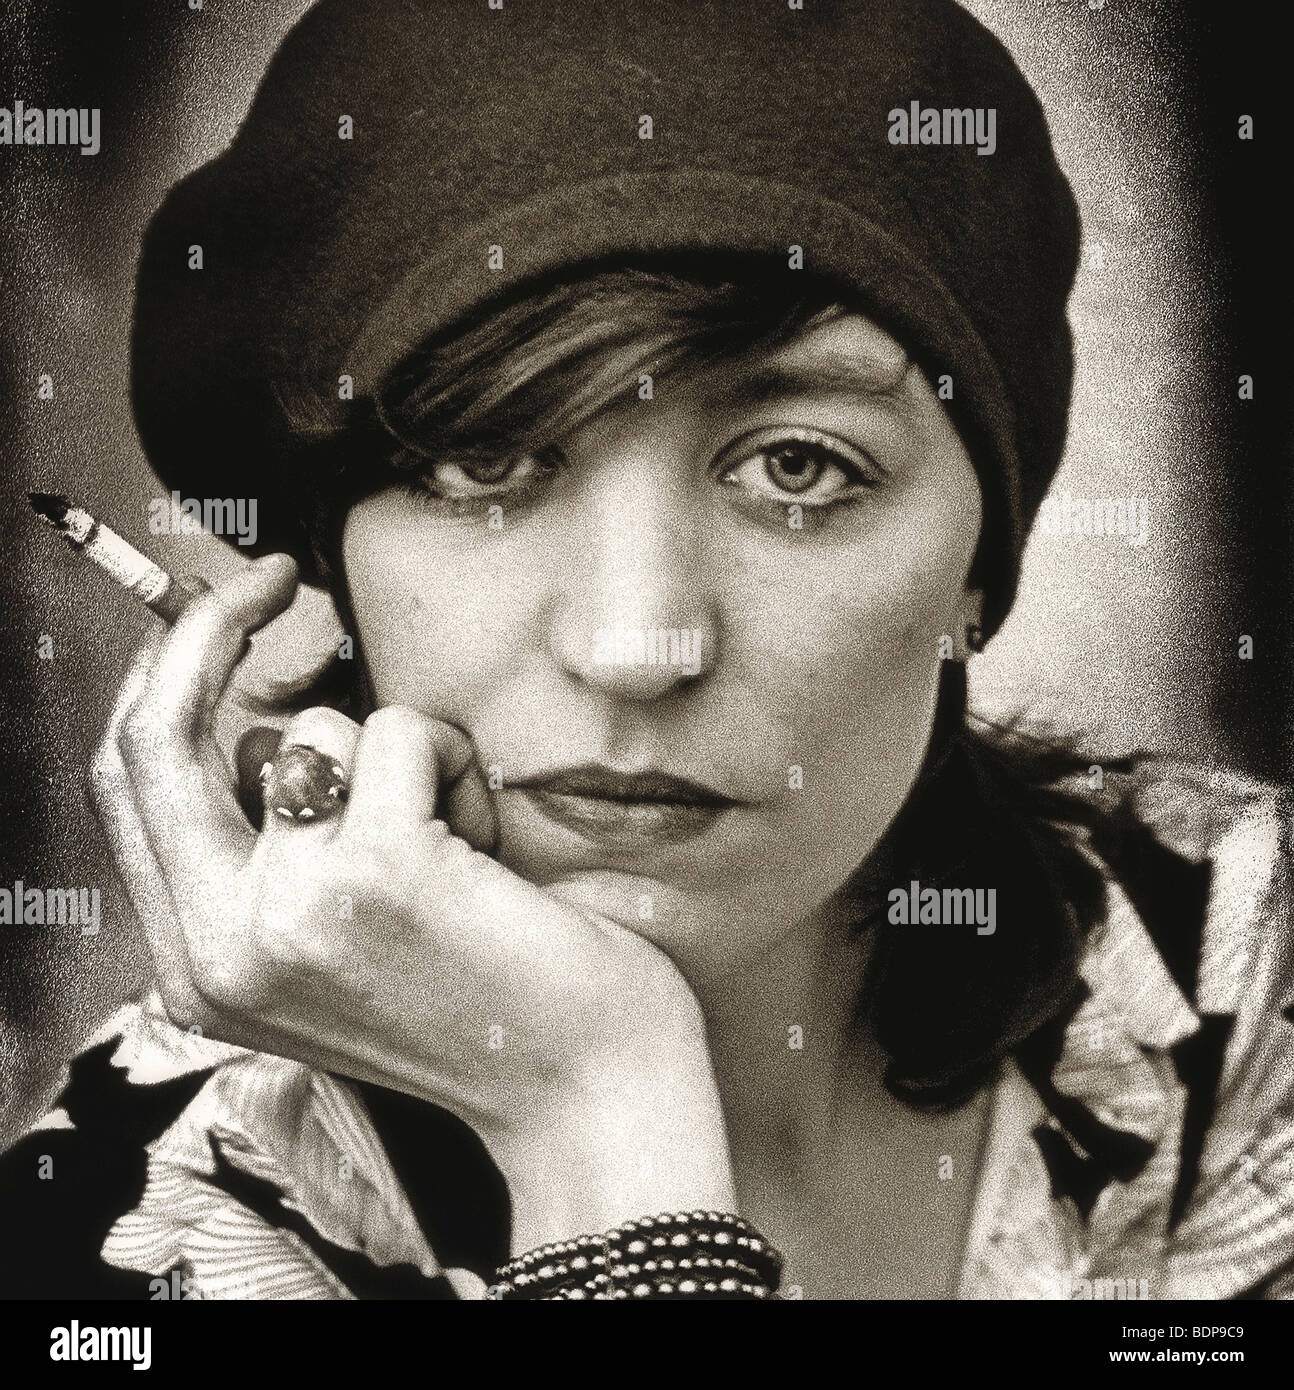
647,656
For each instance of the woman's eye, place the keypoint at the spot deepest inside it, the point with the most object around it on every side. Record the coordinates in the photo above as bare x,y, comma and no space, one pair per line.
461,485
811,469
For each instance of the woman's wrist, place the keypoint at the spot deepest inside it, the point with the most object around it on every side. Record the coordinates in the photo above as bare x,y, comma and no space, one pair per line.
635,1136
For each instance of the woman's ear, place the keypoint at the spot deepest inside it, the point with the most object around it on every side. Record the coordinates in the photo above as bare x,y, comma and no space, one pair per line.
969,637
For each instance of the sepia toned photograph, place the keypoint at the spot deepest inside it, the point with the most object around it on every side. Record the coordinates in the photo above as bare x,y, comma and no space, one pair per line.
647,658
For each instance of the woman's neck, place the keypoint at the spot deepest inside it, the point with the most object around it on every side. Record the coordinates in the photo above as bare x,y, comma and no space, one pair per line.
839,1174
787,1051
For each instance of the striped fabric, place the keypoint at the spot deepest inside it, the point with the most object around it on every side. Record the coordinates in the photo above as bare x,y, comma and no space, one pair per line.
1167,1173
300,1130
1225,1227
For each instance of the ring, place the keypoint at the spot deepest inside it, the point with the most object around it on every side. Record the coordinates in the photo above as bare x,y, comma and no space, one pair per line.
303,784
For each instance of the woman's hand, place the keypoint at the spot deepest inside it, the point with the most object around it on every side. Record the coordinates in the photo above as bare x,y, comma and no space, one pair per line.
384,944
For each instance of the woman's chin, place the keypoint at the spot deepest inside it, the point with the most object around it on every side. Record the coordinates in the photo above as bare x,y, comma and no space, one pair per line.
700,899
640,896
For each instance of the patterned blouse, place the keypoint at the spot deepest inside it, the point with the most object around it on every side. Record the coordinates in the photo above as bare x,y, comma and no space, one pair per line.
1140,1146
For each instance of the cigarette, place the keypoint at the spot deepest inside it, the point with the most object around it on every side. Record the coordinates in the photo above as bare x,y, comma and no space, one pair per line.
134,571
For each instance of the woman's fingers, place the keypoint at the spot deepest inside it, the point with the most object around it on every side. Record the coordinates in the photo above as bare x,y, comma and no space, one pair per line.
400,760
469,810
141,876
406,765
191,812
210,639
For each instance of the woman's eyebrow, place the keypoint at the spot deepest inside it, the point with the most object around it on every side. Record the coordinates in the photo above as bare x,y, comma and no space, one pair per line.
833,374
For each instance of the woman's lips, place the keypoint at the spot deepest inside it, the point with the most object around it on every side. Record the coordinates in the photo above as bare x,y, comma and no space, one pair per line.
625,810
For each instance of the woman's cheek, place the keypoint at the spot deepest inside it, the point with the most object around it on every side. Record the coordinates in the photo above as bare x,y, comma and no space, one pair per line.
858,686
437,614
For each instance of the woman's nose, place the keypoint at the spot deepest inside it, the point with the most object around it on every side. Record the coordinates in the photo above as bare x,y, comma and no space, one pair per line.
636,615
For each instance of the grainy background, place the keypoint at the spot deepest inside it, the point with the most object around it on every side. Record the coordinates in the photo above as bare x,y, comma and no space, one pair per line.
1131,647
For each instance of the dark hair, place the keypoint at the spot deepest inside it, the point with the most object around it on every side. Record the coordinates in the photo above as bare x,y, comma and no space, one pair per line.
986,809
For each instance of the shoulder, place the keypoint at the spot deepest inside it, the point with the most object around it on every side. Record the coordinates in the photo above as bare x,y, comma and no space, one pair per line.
1199,872
1205,856
1153,1127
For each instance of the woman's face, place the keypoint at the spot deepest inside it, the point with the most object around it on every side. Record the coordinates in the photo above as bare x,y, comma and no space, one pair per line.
740,582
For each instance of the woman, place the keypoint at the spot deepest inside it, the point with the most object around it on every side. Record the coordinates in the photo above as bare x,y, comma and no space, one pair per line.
665,432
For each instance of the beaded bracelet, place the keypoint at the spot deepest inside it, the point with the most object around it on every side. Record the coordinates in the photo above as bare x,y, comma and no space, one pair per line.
537,1272
700,1234
700,1254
